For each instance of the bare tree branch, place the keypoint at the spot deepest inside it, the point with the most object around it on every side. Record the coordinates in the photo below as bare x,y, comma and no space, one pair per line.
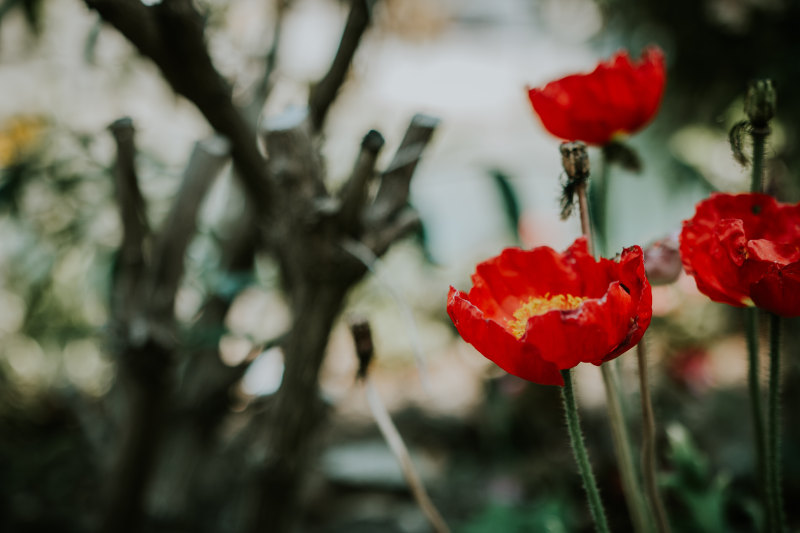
142,365
171,33
294,162
354,193
131,263
148,332
323,93
393,192
264,86
381,238
205,163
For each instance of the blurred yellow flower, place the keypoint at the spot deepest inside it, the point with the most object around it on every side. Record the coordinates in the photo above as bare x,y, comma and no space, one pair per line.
18,135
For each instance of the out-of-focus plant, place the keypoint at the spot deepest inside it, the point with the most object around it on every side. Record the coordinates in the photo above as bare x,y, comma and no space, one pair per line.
691,483
550,515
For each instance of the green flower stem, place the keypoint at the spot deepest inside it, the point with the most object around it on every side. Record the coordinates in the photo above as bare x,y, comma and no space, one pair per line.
649,443
586,223
619,429
754,384
757,176
598,197
581,456
631,487
774,492
764,463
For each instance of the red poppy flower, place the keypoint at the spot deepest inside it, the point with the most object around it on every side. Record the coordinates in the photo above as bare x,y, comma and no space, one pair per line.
618,97
744,250
536,312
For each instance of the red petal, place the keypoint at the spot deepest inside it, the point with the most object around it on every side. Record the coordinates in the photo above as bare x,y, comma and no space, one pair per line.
779,291
780,253
632,275
708,258
587,334
497,345
505,282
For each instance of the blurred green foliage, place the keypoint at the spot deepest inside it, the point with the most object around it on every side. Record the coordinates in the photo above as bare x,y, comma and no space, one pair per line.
550,515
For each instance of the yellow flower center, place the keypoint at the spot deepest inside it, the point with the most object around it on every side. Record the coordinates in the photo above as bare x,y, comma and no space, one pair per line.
539,305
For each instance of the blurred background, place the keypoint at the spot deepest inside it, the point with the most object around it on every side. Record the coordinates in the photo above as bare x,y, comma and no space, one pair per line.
491,448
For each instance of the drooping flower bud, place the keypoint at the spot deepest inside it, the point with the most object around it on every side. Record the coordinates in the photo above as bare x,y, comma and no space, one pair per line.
575,159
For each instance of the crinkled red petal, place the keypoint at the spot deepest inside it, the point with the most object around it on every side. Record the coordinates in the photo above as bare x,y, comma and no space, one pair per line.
778,291
709,259
584,335
503,283
497,344
632,276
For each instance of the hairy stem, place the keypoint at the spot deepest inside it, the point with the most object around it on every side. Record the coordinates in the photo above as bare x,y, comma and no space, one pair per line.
774,492
649,443
581,456
754,385
586,223
598,197
759,136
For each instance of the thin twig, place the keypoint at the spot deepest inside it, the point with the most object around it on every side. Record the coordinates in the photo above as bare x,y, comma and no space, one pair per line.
362,337
264,86
400,451
323,93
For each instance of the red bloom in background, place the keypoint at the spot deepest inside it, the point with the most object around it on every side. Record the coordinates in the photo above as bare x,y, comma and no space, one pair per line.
537,312
619,96
744,250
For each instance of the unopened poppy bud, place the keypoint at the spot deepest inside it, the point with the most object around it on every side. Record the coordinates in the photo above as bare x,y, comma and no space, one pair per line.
575,159
759,103
362,337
